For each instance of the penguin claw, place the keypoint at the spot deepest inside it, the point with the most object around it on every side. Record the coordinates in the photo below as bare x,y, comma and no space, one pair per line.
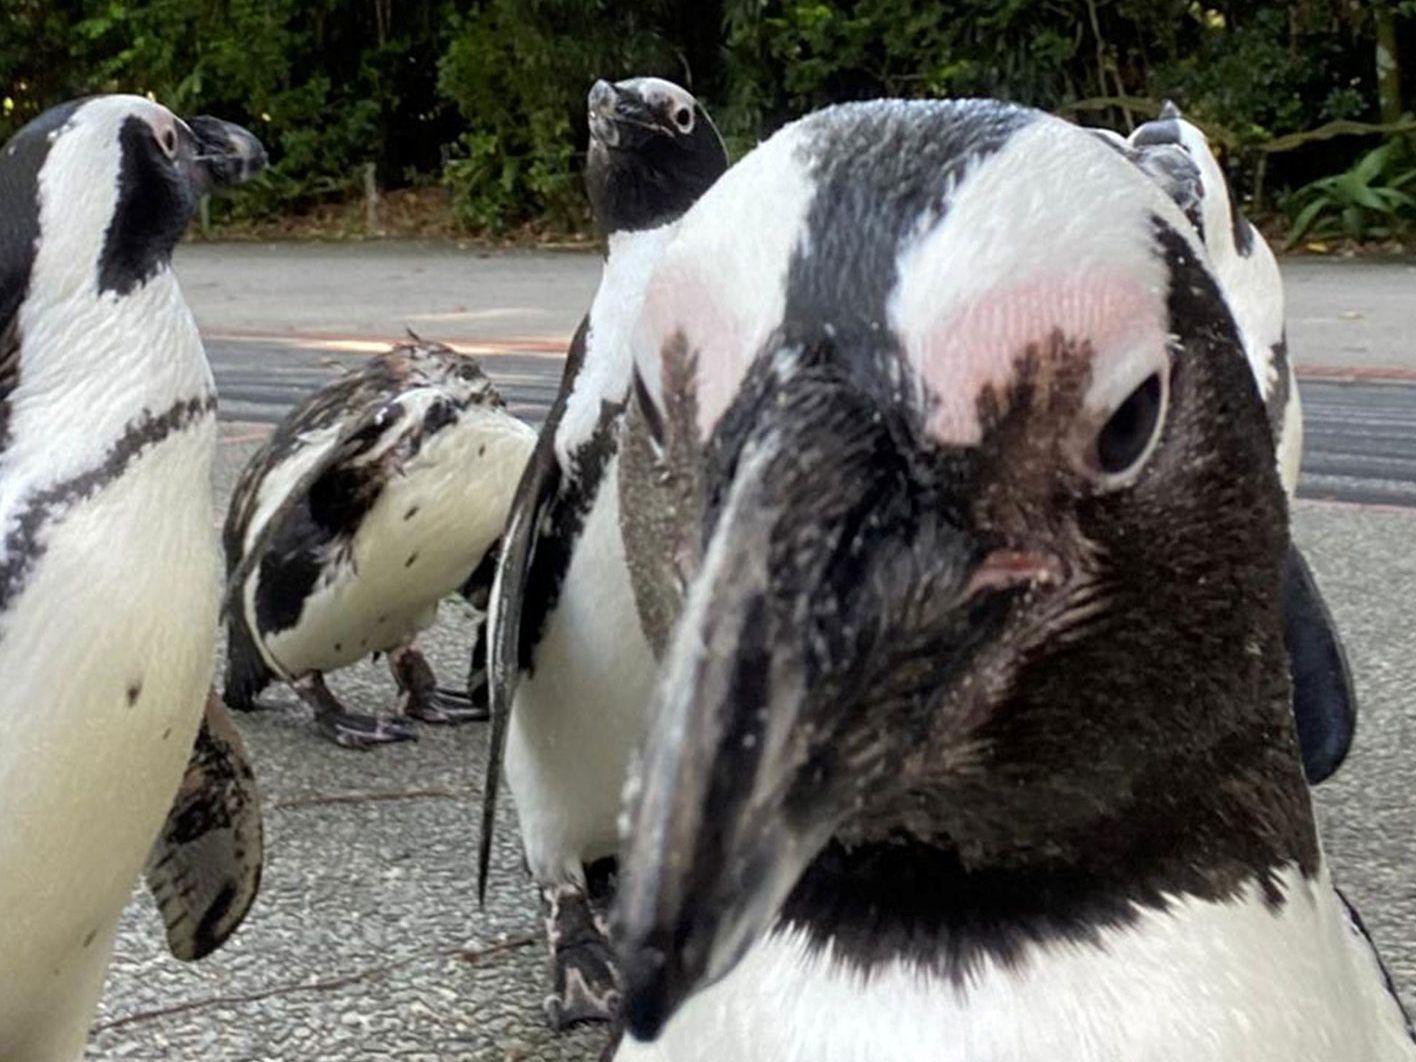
364,732
445,706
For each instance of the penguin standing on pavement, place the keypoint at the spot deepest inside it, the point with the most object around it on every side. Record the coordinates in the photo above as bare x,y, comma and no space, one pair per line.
379,495
571,667
1176,153
986,751
109,570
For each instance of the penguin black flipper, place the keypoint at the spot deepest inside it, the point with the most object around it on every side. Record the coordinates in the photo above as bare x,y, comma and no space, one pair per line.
1324,702
357,438
205,868
525,524
246,671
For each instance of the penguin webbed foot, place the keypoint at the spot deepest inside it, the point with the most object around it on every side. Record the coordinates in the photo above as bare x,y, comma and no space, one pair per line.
584,980
345,728
446,706
352,731
421,698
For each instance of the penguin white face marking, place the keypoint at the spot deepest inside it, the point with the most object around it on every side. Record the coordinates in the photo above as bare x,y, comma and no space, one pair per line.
709,284
79,188
986,284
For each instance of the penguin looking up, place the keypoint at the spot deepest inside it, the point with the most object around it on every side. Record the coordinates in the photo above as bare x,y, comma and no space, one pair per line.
109,570
986,751
379,495
570,664
1177,155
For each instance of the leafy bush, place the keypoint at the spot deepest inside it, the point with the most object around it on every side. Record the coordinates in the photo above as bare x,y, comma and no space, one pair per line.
519,72
1373,200
488,95
322,82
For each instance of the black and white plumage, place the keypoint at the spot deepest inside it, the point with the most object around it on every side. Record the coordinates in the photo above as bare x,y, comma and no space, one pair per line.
1177,155
379,495
109,570
973,738
566,641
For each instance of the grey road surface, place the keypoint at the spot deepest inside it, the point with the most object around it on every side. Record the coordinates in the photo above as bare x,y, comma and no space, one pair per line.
1340,313
367,941
438,289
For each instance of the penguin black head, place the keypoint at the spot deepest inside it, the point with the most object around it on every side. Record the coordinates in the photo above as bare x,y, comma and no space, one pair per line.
653,153
130,174
992,546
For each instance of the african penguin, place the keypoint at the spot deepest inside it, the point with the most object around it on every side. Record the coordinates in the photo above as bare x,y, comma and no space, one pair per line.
379,495
109,571
973,737
1177,155
571,667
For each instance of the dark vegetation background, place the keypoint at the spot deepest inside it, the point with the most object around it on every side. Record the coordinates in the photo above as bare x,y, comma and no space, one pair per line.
473,110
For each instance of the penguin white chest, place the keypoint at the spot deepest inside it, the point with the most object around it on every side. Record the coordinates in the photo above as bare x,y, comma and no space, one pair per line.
432,523
581,711
107,652
1200,982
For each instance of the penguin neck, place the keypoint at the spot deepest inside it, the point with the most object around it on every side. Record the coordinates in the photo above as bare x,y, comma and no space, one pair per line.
600,388
1232,821
91,364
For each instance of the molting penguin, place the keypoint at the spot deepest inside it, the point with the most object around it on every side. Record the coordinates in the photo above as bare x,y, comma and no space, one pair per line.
566,639
985,752
109,573
379,495
1177,155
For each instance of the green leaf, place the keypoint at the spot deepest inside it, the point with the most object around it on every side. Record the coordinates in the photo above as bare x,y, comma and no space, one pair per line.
1372,163
1305,219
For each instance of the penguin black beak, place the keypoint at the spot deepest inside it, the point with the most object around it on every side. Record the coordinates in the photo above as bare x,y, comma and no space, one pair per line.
800,679
616,111
224,155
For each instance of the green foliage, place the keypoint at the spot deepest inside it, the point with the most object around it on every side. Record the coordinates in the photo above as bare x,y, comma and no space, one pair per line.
1277,71
1257,69
322,82
1374,200
796,55
518,73
488,96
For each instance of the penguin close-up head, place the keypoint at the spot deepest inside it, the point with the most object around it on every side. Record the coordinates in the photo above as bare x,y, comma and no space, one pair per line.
985,643
653,152
130,174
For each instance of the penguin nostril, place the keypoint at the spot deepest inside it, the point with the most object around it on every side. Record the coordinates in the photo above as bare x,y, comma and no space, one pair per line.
168,140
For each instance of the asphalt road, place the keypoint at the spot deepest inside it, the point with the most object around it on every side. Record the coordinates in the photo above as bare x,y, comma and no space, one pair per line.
367,941
1360,435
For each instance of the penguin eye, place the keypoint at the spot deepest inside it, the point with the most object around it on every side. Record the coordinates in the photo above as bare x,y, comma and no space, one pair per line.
1128,435
168,140
683,118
